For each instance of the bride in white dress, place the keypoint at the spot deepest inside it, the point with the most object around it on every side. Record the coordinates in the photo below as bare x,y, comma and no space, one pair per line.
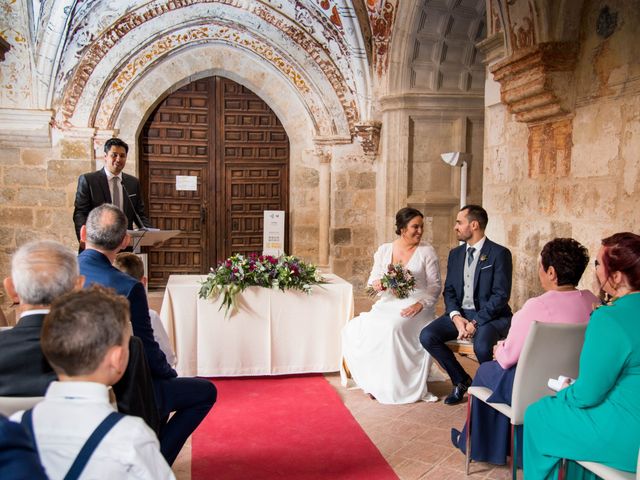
381,348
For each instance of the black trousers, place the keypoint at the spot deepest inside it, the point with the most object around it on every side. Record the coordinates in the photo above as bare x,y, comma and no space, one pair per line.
191,399
442,329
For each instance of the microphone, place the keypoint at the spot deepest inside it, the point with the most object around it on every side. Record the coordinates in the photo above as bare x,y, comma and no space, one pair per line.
141,225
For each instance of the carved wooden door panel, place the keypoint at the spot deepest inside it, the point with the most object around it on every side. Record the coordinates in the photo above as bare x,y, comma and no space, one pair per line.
253,157
233,144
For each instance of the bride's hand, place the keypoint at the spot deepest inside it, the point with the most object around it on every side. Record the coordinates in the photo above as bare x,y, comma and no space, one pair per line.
377,285
411,310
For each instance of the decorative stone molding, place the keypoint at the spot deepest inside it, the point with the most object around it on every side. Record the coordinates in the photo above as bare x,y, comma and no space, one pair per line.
79,78
368,134
492,48
381,16
25,128
535,81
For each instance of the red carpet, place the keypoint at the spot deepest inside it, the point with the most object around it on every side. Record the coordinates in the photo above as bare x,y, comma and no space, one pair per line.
283,427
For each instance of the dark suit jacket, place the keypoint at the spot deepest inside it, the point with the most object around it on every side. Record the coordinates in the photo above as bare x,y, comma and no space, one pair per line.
93,191
24,371
134,391
18,457
491,285
97,269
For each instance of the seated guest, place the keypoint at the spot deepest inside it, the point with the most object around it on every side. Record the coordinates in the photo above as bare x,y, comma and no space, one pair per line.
85,337
562,263
105,234
131,264
40,272
476,299
597,418
18,457
381,347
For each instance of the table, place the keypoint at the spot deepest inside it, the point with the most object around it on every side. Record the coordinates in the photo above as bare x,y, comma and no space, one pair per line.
272,333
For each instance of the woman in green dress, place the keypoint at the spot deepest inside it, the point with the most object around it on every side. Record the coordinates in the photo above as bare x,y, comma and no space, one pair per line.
598,417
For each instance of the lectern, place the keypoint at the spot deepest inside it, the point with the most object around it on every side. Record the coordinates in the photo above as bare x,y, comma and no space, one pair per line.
149,237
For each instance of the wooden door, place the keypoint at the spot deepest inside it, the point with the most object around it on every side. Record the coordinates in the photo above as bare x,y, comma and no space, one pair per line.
229,139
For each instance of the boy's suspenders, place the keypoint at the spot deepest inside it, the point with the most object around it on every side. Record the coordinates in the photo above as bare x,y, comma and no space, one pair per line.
89,446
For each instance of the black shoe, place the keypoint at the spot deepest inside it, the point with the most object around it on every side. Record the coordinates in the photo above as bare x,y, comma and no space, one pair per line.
457,394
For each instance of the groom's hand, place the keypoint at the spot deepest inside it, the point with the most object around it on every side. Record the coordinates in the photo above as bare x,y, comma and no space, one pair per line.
461,325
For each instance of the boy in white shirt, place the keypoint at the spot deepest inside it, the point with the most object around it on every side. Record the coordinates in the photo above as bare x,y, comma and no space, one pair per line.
132,265
85,338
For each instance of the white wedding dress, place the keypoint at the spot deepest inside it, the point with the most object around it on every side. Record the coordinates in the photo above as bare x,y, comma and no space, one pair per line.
381,348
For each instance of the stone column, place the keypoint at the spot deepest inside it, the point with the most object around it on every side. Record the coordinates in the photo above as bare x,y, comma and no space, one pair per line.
324,194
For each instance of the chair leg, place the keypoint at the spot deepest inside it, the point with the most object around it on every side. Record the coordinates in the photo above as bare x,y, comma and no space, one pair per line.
561,470
468,439
514,452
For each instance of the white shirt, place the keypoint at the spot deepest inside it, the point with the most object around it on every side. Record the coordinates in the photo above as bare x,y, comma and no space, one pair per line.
110,183
160,336
66,417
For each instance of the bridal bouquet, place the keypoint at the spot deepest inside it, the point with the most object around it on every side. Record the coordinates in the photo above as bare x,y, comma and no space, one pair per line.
398,281
238,272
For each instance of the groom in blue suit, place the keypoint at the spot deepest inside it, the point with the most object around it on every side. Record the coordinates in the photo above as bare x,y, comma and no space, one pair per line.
476,295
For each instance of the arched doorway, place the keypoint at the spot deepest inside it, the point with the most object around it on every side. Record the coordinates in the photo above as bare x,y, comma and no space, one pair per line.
229,142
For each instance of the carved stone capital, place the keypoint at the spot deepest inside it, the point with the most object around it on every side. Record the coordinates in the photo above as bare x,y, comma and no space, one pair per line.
368,134
535,82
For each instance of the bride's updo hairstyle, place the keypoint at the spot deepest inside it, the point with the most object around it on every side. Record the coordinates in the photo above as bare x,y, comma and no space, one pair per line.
404,216
622,254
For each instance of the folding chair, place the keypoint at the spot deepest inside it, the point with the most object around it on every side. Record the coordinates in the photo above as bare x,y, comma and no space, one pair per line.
550,350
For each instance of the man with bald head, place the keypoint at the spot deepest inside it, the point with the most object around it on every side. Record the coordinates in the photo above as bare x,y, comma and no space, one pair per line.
40,272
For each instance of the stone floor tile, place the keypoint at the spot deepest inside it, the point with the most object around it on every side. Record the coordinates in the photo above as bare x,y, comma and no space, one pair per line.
443,473
424,451
411,469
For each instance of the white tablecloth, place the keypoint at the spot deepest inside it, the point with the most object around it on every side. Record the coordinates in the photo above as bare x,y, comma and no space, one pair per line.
273,332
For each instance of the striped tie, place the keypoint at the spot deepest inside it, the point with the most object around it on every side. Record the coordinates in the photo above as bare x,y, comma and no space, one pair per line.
116,193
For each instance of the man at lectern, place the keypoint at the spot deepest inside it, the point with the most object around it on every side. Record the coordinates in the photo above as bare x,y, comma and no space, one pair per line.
110,185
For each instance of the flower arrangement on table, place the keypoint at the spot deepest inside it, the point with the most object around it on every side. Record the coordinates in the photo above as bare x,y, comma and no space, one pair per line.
398,281
238,272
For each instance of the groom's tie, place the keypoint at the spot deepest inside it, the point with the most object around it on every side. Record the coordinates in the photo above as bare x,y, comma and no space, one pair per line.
470,251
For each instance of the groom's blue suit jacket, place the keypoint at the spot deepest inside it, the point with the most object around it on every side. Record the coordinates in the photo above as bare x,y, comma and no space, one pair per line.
491,285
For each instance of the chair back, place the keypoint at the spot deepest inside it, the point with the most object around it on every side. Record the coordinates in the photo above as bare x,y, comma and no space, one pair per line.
550,350
11,405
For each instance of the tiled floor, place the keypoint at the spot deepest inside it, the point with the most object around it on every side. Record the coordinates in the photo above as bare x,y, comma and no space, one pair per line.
415,439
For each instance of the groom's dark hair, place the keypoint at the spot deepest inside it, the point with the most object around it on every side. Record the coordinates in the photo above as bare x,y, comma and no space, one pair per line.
477,213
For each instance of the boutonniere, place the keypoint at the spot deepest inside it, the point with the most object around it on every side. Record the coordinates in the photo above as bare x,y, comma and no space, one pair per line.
483,257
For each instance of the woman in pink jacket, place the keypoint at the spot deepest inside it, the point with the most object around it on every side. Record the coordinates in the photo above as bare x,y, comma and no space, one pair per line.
562,263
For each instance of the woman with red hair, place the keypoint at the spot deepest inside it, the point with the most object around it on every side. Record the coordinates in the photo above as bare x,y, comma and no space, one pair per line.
597,418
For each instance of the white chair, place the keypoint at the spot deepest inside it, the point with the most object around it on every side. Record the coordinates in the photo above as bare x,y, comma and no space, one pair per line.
10,405
608,473
550,350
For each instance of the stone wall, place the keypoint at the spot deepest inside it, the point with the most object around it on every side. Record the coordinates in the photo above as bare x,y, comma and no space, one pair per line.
577,176
37,189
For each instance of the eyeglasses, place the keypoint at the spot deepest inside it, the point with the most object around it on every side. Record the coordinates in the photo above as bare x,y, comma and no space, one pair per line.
596,263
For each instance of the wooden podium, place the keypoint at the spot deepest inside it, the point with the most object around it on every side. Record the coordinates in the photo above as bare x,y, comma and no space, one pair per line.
149,237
